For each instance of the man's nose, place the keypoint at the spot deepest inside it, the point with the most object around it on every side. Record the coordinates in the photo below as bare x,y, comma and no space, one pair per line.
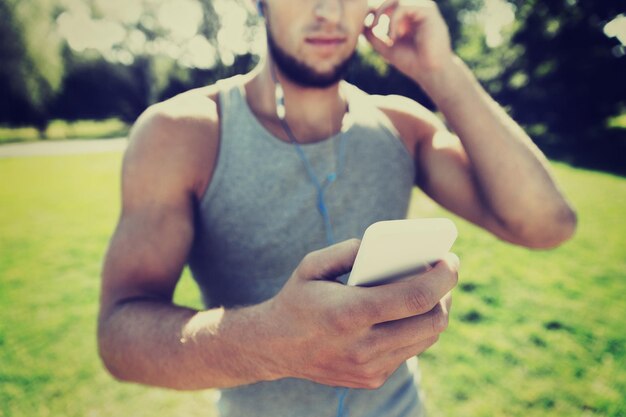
329,10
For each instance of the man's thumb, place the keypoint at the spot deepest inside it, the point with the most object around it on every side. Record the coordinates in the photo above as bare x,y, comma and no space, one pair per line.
331,262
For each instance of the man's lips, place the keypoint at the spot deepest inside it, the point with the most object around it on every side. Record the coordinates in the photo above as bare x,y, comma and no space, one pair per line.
325,46
324,41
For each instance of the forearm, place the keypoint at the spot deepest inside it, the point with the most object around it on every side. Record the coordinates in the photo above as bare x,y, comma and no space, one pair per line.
510,171
159,344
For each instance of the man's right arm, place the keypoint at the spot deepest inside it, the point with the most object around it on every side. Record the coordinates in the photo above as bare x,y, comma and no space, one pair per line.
143,337
314,328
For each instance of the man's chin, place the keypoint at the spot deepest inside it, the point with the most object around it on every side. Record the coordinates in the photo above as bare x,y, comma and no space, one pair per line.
316,79
303,74
309,76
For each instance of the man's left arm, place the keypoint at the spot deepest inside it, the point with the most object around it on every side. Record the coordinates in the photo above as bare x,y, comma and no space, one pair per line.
495,176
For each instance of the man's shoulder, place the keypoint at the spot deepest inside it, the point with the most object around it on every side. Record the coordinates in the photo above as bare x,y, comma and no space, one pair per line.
178,137
412,120
189,111
189,119
184,111
405,109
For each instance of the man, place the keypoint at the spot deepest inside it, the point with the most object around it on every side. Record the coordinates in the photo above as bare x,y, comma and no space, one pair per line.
243,179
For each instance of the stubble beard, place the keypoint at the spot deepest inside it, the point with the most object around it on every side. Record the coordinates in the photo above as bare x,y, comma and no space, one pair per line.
302,74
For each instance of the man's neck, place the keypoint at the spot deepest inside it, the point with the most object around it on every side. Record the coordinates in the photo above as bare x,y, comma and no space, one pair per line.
312,113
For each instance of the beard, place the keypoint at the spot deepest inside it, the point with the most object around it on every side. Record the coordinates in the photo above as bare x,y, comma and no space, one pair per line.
300,73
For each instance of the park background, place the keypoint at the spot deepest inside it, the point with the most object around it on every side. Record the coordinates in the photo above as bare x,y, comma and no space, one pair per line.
532,333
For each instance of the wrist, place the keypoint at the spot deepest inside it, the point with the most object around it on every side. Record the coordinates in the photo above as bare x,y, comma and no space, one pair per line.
236,343
444,83
267,344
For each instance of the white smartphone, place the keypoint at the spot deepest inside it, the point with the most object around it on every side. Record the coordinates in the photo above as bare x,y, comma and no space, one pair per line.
393,249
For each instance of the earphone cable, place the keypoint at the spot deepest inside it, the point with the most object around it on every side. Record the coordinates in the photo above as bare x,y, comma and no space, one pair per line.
320,188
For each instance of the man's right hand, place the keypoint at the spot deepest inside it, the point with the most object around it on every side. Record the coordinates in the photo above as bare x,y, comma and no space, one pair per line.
355,336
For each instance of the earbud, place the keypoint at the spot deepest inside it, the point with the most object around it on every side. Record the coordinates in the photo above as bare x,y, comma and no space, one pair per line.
259,7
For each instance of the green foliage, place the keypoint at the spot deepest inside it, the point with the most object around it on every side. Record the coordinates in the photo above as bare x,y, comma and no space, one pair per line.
18,134
617,122
453,12
61,129
32,27
570,78
32,66
531,334
488,63
94,88
34,59
87,129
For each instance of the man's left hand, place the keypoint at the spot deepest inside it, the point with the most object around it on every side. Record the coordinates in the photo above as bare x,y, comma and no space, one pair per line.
417,42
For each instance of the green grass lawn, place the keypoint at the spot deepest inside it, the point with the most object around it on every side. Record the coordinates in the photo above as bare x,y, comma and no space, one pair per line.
531,334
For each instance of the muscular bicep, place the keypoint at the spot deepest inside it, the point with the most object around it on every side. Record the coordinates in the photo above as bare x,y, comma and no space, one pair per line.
146,255
444,170
150,244
446,175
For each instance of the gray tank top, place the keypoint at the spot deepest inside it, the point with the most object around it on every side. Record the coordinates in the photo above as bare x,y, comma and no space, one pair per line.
258,218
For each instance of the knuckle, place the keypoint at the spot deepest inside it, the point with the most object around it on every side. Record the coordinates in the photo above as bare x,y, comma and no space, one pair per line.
426,344
418,300
362,359
374,382
307,263
373,375
377,345
342,318
359,314
336,320
369,310
439,321
455,277
447,275
451,271
354,243
431,341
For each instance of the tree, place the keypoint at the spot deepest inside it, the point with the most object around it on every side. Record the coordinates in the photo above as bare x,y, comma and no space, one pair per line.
569,80
32,66
94,88
34,48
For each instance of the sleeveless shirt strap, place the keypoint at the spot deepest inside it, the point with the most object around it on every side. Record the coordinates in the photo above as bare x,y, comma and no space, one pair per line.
228,104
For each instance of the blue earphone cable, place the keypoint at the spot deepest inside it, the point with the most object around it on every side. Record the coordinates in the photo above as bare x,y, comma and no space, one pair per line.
320,188
342,392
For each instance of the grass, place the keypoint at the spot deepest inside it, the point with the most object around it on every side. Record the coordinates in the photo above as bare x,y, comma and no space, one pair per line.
539,333
531,334
61,129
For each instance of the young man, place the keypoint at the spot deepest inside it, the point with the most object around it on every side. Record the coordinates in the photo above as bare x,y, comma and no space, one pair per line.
241,180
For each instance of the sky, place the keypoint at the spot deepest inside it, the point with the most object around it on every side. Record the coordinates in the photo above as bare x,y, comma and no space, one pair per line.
182,19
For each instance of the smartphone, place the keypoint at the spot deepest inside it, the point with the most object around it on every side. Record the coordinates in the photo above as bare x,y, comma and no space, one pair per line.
394,249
